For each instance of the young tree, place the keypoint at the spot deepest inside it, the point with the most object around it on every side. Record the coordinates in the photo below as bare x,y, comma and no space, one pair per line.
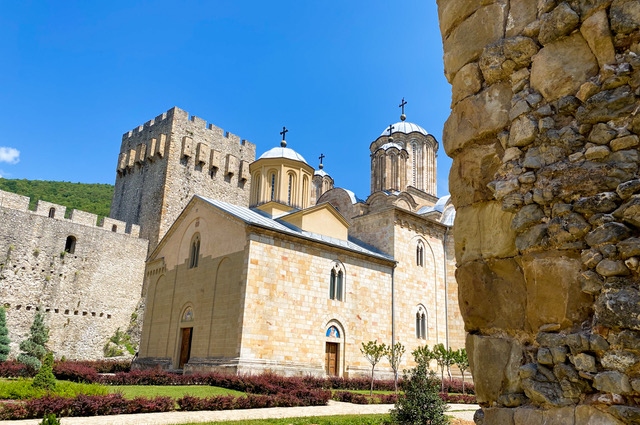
394,354
462,361
45,378
33,349
445,358
423,354
373,352
4,336
420,403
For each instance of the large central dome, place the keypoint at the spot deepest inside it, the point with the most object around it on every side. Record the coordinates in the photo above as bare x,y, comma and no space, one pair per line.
405,127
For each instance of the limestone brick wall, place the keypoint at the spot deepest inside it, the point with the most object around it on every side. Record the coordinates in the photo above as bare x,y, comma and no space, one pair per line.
288,309
164,162
85,295
544,134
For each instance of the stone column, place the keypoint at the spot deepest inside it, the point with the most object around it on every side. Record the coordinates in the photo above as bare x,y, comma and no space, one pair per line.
543,134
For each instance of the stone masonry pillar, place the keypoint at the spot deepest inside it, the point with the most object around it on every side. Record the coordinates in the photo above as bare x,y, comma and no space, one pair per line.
543,134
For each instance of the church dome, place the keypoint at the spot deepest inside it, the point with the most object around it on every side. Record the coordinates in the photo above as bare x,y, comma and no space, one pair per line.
406,128
283,152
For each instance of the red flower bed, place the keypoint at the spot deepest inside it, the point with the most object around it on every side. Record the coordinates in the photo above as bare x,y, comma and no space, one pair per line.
459,398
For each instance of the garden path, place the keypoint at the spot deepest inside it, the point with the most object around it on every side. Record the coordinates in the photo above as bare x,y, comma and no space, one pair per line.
461,411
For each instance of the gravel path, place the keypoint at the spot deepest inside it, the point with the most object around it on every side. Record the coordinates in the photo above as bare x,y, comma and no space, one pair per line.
462,411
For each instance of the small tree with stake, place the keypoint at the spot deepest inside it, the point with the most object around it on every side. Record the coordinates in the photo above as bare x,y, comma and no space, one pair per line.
373,352
394,354
445,358
4,336
462,361
33,349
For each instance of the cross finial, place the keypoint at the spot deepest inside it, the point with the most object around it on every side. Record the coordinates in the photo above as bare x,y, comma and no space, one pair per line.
283,133
321,157
401,105
390,129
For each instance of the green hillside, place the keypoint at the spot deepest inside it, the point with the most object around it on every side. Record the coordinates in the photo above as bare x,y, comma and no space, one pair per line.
94,198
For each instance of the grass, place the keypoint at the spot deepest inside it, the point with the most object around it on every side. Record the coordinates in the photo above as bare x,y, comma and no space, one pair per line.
21,389
174,391
312,420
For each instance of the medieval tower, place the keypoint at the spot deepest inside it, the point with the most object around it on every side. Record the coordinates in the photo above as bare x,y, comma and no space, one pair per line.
166,161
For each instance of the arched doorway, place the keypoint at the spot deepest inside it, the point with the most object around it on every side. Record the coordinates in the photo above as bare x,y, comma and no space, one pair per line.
334,336
186,336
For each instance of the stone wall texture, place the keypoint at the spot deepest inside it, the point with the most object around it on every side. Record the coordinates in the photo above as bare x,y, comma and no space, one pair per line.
544,135
85,295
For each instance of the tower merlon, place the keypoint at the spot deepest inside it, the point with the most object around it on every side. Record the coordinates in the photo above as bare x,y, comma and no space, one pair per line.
14,201
49,209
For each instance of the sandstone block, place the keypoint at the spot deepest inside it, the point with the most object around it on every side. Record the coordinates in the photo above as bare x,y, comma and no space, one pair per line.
584,362
477,117
597,152
483,230
494,363
491,294
628,414
629,247
452,12
624,142
612,382
587,90
534,238
528,216
589,415
521,107
595,31
629,212
544,356
601,203
521,13
559,22
471,171
466,41
625,16
554,294
562,66
597,343
601,134
523,131
590,282
496,415
620,360
608,268
528,416
467,82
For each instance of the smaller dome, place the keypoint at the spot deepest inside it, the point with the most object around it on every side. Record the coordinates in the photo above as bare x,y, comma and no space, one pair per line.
281,152
406,128
320,172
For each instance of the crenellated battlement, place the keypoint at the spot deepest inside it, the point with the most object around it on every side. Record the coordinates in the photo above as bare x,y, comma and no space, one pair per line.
53,211
180,115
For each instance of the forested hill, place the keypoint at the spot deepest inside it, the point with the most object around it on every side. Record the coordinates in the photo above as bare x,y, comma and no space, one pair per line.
94,198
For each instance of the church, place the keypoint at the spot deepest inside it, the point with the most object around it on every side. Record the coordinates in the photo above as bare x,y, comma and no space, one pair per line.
292,275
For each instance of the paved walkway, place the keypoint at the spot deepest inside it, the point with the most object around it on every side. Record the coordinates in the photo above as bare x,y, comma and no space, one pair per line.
462,411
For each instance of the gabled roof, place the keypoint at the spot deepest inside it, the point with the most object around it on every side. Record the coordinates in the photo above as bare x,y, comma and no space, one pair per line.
259,219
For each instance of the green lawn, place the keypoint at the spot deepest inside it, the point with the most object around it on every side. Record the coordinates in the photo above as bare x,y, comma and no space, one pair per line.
175,391
21,389
313,420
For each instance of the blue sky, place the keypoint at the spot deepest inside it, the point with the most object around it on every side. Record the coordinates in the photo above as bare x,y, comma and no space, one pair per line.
77,75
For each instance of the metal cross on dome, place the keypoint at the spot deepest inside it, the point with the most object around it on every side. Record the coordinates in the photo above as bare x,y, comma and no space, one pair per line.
321,157
390,129
284,132
401,105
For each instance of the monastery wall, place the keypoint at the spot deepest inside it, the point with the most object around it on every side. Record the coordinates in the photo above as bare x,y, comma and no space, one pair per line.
544,135
85,295
164,162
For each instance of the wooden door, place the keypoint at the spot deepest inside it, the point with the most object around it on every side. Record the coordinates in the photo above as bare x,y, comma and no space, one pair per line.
185,346
331,359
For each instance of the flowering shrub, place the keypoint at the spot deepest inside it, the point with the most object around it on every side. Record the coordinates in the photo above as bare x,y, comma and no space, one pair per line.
455,386
459,398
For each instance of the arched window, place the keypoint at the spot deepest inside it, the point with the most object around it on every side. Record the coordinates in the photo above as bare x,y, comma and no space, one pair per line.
420,254
194,253
305,191
114,228
421,323
255,189
336,282
52,212
272,182
291,189
70,245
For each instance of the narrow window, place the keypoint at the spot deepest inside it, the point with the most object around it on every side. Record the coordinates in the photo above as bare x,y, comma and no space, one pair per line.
421,323
114,228
273,187
195,252
52,212
332,285
70,245
420,254
290,189
339,286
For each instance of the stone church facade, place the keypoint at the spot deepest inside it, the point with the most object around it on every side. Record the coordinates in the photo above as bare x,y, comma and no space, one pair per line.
296,279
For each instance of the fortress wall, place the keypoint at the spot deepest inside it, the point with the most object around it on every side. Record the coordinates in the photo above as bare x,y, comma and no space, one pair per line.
85,295
544,135
170,158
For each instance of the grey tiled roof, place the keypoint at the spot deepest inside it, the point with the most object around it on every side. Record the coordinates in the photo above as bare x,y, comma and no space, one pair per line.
261,219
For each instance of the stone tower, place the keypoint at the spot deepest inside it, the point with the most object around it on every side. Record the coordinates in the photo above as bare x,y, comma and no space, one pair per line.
164,162
404,155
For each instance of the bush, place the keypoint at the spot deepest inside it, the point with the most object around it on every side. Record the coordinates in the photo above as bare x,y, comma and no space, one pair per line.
455,386
458,398
50,419
33,349
75,372
45,380
13,369
4,336
420,402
